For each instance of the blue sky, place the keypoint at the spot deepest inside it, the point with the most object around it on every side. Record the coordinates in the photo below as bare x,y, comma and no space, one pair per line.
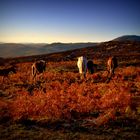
68,20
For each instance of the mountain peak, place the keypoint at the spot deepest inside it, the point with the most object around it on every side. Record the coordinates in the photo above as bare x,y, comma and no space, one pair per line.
127,38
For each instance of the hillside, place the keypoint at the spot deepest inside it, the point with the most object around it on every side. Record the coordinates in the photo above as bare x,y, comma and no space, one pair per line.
59,104
127,38
127,52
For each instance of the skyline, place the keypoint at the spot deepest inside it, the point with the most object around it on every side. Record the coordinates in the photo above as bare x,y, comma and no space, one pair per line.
68,21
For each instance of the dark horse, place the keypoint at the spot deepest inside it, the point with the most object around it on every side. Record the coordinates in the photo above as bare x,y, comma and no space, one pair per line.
5,72
90,66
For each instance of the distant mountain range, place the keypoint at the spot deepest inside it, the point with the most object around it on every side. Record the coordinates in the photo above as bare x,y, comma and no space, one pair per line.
17,49
28,49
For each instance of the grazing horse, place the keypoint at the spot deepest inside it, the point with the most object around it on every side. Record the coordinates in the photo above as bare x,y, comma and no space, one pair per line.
5,72
90,66
82,65
38,67
111,65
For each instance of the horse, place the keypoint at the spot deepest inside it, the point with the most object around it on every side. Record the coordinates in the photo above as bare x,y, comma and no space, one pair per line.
5,72
38,67
82,65
111,66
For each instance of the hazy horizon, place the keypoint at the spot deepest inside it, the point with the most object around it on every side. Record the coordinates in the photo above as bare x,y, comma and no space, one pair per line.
67,42
67,21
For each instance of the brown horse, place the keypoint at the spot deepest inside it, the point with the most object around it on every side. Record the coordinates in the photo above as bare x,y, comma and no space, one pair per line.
38,67
111,65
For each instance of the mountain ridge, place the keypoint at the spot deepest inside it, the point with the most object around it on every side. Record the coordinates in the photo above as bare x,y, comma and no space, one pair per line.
19,49
127,38
29,49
